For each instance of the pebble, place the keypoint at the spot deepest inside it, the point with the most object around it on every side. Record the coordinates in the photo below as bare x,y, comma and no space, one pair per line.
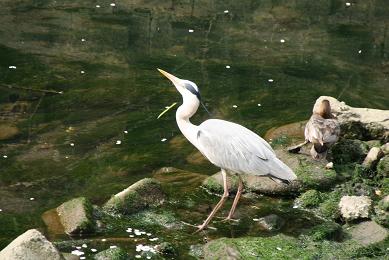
131,235
190,30
84,245
82,257
255,219
118,142
93,250
113,247
78,247
228,67
137,256
148,257
103,239
77,252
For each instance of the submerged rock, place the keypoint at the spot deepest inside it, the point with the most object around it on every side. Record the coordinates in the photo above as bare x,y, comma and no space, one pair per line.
271,222
355,207
359,123
112,254
76,216
140,195
31,245
368,232
372,157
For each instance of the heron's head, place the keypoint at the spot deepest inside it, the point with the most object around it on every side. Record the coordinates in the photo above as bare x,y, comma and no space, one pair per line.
185,87
325,109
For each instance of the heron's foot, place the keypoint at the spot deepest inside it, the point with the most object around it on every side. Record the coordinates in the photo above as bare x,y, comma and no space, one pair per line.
230,219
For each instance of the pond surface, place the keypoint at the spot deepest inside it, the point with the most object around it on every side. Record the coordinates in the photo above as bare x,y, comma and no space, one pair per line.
80,93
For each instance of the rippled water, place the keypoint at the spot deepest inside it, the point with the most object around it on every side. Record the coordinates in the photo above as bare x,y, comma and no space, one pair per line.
258,63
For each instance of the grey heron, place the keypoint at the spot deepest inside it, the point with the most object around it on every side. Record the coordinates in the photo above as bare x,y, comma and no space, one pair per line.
322,130
231,147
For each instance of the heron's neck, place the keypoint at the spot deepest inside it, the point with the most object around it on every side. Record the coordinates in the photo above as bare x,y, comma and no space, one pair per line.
183,114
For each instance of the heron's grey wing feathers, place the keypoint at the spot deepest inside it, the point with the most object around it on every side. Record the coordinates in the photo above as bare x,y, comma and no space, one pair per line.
236,148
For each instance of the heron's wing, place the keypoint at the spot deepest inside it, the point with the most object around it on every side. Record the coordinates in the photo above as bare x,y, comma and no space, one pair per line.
320,130
236,148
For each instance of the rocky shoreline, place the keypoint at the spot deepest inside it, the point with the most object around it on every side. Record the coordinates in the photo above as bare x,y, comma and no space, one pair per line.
345,198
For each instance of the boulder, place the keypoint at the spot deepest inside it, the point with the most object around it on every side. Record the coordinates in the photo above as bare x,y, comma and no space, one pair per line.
140,195
271,222
355,207
367,233
359,123
31,245
310,174
372,157
76,216
112,254
383,167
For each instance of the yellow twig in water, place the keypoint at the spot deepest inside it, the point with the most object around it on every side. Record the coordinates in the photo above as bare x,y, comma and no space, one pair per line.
167,109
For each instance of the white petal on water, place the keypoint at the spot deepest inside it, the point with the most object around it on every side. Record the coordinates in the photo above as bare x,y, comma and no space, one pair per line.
5,156
71,144
190,30
259,105
234,106
148,234
12,67
113,247
66,157
97,6
118,142
82,72
360,51
282,40
348,4
83,40
32,198
125,131
226,11
112,4
1,210
270,80
163,139
103,239
228,67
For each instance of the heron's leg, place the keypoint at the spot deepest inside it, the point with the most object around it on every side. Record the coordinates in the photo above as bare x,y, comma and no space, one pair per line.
219,204
237,197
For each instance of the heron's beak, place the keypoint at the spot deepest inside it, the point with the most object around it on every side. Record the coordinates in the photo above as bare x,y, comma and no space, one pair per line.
176,81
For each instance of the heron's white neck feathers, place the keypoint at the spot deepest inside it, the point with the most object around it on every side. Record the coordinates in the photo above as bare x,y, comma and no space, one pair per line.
183,114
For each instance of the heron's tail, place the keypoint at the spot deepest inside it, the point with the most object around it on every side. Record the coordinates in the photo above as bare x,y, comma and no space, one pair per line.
281,171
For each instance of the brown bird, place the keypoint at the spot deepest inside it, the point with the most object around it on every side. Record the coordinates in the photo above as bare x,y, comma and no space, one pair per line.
322,130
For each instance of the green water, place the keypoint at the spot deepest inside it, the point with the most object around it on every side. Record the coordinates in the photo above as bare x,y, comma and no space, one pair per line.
308,48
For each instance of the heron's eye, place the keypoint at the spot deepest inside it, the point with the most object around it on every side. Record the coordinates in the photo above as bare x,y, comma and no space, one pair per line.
193,90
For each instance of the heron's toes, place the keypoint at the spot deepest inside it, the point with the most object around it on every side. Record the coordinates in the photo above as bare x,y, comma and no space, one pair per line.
230,219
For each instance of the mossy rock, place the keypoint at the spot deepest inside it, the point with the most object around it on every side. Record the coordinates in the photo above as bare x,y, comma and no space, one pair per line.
349,151
112,254
310,198
329,208
277,247
310,174
383,167
139,196
327,231
76,216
